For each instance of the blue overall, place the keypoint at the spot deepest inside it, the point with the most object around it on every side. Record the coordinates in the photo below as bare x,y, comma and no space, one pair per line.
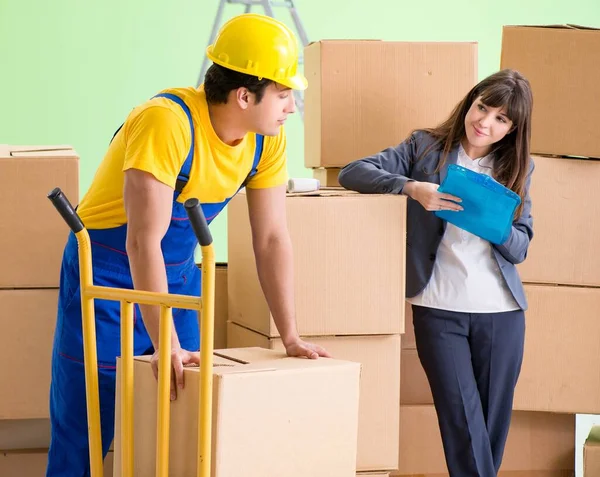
68,455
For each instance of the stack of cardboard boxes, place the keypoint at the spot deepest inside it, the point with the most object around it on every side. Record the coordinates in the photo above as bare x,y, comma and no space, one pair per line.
31,243
539,443
562,271
348,252
362,86
349,249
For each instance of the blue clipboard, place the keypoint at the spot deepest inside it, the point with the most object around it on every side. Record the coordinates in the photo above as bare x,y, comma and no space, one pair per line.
489,207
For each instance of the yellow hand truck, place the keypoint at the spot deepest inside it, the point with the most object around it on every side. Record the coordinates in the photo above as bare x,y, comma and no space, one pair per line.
127,297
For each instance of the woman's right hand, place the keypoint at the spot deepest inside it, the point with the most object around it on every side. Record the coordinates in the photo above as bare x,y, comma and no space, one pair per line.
426,194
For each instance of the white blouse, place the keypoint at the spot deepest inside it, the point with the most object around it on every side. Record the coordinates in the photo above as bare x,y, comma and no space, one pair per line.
466,276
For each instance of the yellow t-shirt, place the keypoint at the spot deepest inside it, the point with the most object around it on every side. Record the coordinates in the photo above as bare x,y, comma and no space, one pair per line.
156,138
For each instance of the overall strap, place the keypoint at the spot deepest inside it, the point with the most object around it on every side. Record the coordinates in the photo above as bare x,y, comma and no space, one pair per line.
184,174
260,139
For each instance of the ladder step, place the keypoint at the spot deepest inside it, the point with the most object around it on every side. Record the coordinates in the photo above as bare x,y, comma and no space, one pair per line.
258,3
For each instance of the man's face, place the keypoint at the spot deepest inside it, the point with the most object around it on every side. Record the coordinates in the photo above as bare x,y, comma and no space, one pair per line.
270,114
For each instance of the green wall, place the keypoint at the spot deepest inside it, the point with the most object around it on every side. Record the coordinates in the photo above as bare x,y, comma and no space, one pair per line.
71,70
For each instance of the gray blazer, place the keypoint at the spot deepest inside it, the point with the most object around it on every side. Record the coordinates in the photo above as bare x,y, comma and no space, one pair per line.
386,173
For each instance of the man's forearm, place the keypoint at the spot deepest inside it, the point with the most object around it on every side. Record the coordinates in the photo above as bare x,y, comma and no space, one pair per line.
275,266
149,274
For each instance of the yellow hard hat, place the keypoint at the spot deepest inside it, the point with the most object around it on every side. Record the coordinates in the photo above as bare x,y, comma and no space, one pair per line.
261,46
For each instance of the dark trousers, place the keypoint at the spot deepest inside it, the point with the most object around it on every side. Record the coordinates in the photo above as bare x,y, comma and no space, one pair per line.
472,362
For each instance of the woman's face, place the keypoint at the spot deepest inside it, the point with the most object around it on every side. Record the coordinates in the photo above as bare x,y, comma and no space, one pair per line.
485,126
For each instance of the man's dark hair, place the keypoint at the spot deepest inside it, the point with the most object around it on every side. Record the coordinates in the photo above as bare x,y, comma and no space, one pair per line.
220,81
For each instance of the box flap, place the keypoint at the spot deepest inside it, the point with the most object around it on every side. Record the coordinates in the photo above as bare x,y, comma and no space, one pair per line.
242,359
593,438
323,192
340,192
247,360
7,151
342,40
217,361
566,26
249,355
261,359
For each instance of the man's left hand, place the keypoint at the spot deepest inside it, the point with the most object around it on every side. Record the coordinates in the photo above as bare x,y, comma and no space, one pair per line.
303,349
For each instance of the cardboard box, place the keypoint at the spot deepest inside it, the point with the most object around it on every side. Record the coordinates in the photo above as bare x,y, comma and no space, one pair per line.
221,312
536,441
327,177
566,201
23,463
591,453
372,474
414,387
349,264
408,339
561,371
24,434
365,96
32,463
33,232
267,409
27,320
379,388
562,63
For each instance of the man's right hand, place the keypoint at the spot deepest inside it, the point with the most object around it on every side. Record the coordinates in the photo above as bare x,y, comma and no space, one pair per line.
179,358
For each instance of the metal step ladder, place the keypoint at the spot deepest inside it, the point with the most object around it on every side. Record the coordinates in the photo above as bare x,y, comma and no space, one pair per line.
268,6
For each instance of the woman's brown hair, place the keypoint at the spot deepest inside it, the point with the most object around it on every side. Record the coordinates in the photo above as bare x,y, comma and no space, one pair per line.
505,89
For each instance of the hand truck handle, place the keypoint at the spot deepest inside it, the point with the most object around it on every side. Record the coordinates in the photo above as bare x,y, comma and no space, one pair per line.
198,221
65,209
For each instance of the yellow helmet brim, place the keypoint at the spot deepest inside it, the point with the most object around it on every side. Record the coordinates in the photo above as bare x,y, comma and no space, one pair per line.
298,82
